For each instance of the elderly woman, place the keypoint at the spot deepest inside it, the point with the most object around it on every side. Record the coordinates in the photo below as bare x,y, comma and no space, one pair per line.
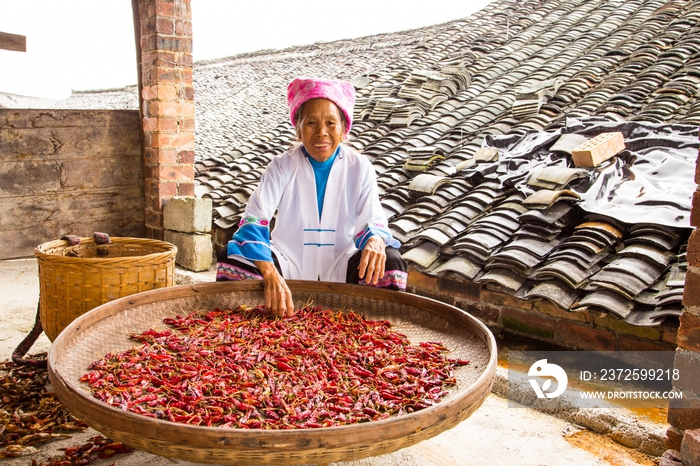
330,225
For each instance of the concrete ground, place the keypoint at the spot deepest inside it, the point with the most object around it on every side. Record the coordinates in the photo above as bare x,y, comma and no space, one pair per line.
494,435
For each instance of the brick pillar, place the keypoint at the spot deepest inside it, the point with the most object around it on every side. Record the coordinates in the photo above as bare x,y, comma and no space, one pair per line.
164,45
687,359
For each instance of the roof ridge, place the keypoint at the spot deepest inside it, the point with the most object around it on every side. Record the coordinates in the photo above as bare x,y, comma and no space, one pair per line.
375,41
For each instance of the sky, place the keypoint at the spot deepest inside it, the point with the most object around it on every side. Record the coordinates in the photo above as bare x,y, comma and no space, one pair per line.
89,44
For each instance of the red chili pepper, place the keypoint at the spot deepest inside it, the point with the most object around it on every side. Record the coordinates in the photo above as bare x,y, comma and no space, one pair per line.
388,396
339,409
283,366
459,362
310,425
414,371
362,372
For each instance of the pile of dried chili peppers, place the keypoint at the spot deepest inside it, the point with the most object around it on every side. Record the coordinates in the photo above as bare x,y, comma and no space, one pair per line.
30,414
97,447
244,368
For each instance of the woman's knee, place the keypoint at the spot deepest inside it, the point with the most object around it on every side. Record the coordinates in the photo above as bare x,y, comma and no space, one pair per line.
395,275
394,261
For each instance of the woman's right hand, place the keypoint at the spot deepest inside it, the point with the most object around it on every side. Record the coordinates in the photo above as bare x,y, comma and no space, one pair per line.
278,296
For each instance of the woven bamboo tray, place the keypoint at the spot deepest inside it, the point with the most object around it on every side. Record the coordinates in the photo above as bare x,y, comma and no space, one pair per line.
107,327
70,286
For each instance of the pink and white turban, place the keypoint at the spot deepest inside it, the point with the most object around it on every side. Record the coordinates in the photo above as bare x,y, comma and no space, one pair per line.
341,93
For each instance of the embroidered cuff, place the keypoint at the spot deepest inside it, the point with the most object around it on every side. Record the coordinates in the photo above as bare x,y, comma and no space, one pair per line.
378,229
251,240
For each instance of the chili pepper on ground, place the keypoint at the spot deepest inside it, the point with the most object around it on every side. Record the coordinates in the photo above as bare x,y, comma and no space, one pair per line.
96,447
30,415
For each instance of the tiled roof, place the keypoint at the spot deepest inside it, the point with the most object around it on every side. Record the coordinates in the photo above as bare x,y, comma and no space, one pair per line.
470,126
126,98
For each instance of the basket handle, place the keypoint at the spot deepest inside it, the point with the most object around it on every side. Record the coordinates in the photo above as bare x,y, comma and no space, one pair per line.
26,344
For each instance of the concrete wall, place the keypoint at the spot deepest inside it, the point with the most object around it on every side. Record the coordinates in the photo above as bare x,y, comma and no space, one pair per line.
68,172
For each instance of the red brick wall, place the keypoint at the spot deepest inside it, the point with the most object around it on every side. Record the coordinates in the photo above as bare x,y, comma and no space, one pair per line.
541,319
164,35
688,340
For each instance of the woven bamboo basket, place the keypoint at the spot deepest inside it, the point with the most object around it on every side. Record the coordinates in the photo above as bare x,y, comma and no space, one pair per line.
107,329
71,286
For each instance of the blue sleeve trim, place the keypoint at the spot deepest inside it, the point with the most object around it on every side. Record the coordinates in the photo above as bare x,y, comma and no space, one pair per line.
375,229
251,241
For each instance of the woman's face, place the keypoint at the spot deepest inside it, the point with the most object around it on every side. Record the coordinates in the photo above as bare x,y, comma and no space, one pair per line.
321,128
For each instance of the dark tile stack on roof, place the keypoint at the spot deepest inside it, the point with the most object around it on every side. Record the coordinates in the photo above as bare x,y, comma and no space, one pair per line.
470,126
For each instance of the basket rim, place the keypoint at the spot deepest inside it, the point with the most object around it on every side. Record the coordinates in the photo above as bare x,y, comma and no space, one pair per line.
249,444
169,249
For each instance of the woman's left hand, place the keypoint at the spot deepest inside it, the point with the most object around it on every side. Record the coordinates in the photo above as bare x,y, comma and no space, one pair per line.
373,260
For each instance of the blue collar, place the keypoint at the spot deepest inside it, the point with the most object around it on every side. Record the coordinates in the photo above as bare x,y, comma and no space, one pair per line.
315,162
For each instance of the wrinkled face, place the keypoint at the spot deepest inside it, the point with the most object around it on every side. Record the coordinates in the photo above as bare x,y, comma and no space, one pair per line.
321,128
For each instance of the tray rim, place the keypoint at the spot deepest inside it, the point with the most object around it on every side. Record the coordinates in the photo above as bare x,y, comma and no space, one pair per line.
295,444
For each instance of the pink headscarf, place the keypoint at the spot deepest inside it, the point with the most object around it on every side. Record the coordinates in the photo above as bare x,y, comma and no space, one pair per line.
341,93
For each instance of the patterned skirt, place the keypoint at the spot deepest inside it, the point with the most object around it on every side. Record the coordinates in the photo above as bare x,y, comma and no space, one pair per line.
395,275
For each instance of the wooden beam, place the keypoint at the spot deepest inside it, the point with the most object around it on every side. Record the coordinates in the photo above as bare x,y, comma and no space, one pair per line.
13,42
